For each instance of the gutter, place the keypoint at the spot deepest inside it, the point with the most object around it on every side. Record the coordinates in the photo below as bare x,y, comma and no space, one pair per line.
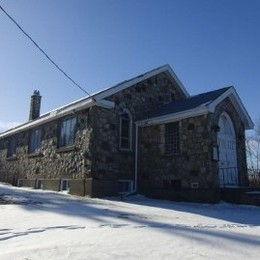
58,113
136,157
173,117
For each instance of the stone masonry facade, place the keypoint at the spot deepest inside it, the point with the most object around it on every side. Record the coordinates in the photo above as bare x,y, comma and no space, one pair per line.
93,162
95,155
194,163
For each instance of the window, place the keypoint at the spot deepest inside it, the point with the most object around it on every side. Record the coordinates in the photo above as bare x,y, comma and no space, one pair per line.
64,185
35,140
39,184
125,130
11,149
67,132
125,186
172,138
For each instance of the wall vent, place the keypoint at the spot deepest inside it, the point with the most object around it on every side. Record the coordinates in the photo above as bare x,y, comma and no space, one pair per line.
194,185
126,186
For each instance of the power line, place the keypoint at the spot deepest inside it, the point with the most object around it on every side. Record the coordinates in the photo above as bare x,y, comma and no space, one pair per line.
43,52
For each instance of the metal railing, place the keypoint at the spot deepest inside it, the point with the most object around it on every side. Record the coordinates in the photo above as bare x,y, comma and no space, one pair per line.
253,178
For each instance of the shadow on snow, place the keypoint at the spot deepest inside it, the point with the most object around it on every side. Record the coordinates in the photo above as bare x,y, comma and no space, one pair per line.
137,212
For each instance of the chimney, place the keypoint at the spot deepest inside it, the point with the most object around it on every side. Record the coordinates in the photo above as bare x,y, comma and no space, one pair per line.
35,105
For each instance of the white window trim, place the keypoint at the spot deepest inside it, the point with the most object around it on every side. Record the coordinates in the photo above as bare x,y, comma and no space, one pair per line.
60,131
37,184
61,181
131,187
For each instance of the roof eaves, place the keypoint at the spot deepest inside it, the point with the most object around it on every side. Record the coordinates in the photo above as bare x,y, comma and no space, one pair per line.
125,84
173,117
215,102
235,99
52,115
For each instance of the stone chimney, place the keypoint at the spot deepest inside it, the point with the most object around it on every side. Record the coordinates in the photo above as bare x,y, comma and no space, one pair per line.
35,105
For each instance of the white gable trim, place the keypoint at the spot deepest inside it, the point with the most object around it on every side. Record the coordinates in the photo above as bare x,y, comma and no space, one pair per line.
58,113
166,68
236,101
173,117
204,109
96,99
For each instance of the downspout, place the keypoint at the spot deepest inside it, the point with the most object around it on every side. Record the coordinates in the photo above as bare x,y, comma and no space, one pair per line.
136,157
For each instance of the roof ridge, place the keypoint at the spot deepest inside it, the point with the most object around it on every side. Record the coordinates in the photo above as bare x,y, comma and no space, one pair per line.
211,91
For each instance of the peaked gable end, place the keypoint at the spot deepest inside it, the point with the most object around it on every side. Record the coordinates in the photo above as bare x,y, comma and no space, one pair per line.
128,83
198,105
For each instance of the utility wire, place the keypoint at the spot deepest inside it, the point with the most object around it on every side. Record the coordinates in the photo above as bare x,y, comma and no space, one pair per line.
43,52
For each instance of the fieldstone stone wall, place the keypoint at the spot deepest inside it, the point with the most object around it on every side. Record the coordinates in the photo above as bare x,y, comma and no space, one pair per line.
194,163
109,161
96,156
49,162
95,163
147,95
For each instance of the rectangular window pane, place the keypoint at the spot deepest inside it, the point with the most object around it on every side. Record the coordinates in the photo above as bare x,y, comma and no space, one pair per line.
11,150
172,138
67,132
125,128
125,131
35,140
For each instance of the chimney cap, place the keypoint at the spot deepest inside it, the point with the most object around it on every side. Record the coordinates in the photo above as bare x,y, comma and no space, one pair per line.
36,93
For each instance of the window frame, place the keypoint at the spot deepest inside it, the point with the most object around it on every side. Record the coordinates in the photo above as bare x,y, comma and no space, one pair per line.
67,181
127,138
172,138
36,143
63,143
12,147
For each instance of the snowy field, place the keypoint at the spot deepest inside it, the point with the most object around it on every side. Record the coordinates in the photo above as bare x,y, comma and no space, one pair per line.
48,225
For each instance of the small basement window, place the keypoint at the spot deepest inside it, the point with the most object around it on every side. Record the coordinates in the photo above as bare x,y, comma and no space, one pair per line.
125,186
64,185
39,184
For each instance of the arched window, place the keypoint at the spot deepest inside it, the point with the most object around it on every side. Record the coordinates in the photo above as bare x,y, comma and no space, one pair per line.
125,141
228,171
226,125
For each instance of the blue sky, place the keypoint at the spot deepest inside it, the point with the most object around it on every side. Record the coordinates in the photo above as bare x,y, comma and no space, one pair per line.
209,44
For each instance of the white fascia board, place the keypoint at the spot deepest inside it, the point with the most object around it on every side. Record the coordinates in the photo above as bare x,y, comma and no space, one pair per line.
213,105
172,73
50,116
173,117
236,101
105,103
166,68
58,113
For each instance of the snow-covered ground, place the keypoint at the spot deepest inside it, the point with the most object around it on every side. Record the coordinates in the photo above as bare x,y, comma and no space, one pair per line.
48,225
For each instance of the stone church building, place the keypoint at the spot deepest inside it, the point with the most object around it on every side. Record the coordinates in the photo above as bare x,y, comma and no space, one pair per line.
145,135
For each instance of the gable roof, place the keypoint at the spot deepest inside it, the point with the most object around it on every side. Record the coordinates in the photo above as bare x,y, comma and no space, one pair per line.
97,99
127,83
197,105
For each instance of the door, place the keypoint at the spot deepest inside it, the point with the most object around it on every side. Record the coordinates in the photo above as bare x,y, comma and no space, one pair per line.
228,175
